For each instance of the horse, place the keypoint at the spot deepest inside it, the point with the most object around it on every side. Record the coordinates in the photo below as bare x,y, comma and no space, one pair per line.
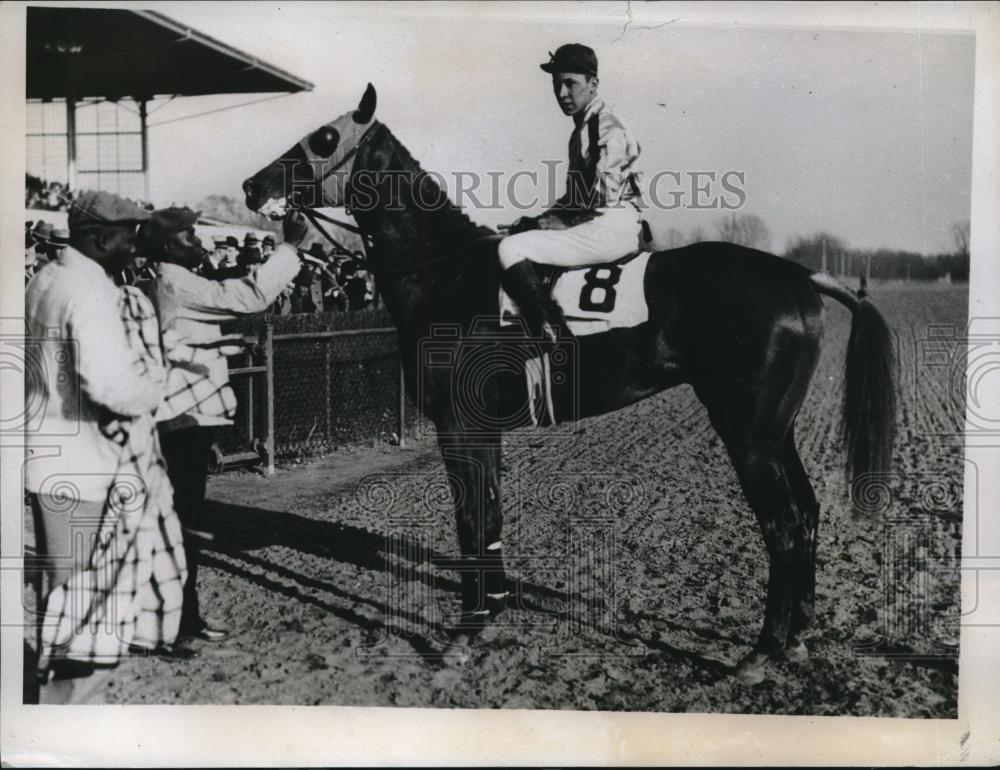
742,327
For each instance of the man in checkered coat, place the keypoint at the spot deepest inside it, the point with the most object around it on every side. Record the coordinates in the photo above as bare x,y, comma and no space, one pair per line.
199,398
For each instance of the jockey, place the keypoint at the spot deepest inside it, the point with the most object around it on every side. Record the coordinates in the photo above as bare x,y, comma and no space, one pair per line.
597,220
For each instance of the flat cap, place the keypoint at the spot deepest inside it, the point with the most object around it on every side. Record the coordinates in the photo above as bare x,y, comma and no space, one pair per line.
95,207
572,57
166,222
232,241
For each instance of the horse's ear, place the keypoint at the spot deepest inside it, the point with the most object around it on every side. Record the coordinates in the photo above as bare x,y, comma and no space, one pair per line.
366,107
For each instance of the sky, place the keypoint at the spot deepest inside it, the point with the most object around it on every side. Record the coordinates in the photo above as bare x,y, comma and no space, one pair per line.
864,133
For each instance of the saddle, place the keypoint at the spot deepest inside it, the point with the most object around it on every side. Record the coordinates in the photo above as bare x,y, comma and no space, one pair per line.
596,298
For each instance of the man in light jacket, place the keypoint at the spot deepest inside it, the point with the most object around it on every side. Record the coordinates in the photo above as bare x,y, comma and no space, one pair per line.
84,376
199,398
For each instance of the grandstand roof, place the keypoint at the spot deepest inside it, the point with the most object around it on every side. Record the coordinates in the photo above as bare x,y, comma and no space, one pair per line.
117,52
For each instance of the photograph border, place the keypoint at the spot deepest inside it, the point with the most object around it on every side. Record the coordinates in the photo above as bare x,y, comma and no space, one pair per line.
323,735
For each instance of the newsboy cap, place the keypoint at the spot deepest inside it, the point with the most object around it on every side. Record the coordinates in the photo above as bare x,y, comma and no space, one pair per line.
231,240
572,57
95,207
166,222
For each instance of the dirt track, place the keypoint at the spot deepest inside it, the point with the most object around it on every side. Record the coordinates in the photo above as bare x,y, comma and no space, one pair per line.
641,568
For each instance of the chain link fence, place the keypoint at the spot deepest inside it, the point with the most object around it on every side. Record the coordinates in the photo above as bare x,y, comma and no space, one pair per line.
336,381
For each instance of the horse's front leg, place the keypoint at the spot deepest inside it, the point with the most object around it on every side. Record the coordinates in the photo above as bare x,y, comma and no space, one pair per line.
473,468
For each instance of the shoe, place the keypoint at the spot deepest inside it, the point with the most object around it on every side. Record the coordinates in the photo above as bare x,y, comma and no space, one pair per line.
204,630
165,651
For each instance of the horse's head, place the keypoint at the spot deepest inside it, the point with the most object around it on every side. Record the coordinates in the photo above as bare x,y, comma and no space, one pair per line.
315,170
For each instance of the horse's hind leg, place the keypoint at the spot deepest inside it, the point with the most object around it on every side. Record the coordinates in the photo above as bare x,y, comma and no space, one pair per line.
761,470
756,426
804,585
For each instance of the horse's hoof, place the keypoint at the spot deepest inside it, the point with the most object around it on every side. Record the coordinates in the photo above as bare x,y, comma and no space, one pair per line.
751,669
798,653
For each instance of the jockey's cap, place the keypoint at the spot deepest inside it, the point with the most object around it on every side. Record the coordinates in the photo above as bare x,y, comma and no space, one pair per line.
572,57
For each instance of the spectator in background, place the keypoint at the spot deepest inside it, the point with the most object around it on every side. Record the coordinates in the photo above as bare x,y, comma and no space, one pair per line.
211,260
199,398
123,593
307,296
230,266
30,258
301,298
356,285
334,298
57,241
266,247
47,248
42,230
250,256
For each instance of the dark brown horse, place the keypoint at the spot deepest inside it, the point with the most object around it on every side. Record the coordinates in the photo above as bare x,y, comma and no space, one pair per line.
741,326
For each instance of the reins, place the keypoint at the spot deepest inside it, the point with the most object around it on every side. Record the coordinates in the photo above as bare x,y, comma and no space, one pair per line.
314,216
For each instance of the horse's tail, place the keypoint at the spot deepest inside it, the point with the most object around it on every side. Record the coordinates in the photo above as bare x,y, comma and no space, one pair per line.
869,406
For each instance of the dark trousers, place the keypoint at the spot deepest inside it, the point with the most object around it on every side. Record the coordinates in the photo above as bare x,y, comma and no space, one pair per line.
187,452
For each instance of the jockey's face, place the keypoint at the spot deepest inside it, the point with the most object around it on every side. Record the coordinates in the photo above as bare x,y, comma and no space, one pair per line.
574,91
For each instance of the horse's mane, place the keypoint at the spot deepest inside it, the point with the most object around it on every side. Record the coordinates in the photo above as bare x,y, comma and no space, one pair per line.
446,225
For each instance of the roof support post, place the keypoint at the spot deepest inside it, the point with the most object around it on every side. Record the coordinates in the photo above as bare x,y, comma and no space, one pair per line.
145,148
71,143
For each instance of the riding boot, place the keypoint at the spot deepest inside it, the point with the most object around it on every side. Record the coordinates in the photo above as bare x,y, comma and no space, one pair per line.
542,313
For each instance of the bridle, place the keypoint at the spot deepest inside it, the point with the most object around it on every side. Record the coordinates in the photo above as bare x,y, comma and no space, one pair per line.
315,216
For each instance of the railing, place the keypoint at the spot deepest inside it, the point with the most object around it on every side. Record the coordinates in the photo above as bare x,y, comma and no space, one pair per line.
307,392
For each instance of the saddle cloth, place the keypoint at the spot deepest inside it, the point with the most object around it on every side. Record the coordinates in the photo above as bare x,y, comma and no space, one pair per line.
597,298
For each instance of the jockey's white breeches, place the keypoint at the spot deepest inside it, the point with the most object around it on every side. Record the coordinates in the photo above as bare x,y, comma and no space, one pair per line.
605,238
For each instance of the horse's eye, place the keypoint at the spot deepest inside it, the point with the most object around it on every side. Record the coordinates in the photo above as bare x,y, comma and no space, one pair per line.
324,141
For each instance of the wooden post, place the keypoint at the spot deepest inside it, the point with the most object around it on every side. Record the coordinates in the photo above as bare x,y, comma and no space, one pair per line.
402,407
824,255
328,386
269,390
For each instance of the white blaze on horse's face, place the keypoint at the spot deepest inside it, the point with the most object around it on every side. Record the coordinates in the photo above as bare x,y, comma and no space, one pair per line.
314,172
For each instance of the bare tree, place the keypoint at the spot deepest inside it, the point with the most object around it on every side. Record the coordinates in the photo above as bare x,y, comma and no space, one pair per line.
745,229
821,251
960,237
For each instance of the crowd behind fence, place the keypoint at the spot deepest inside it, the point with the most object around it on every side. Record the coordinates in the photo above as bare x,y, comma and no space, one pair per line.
313,383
